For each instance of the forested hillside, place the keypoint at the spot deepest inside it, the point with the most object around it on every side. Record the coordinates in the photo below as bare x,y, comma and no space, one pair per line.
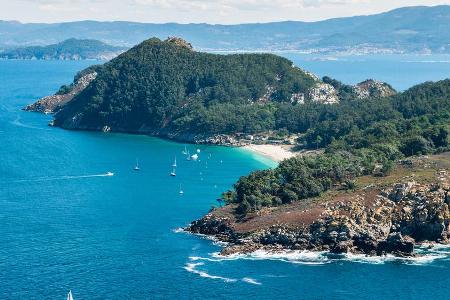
71,49
359,137
165,86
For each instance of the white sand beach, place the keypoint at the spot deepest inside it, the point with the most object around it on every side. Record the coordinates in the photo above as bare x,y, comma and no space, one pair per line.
274,152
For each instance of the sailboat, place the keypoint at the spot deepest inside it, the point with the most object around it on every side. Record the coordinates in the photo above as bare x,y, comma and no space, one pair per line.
173,173
175,162
136,167
185,151
69,296
181,190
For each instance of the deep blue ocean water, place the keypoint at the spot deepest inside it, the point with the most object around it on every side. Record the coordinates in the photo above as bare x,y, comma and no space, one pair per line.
64,225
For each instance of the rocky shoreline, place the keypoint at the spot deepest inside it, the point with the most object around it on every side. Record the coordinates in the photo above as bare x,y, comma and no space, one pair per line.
374,223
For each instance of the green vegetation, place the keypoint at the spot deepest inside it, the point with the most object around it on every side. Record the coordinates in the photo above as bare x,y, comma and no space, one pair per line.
360,138
66,50
162,86
165,87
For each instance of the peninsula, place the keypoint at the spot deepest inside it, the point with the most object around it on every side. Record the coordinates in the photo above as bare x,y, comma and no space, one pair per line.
373,175
71,49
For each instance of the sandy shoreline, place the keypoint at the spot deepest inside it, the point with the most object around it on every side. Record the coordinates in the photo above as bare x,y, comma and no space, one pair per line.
276,153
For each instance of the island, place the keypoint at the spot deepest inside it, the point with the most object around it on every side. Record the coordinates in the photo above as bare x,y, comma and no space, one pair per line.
70,49
370,172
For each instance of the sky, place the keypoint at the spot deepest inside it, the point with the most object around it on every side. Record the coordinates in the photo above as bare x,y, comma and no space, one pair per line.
196,11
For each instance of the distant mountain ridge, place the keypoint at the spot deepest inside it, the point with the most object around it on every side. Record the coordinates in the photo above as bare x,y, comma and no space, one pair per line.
406,30
71,49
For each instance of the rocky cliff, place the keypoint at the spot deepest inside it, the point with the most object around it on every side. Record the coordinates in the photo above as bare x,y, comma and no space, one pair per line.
372,221
51,104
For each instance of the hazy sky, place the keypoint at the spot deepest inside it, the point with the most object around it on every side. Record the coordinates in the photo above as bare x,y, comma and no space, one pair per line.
195,11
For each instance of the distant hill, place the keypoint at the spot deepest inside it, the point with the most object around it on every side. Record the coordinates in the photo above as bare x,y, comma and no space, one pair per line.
71,49
411,30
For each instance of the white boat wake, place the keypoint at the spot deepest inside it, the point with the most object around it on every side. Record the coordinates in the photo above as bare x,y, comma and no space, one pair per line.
108,174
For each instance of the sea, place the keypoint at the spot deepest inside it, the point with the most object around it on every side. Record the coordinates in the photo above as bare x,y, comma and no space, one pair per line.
66,224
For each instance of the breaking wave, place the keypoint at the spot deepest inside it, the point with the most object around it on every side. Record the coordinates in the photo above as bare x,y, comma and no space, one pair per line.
426,255
192,268
194,263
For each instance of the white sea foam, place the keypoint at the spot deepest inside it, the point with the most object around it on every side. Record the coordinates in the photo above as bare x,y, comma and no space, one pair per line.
320,258
251,281
291,256
419,260
179,230
192,267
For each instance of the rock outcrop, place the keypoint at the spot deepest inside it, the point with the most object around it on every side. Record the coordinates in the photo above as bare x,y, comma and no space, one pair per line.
323,93
394,222
51,104
373,88
180,42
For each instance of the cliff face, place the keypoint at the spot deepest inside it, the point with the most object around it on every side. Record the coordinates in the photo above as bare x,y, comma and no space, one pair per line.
372,221
51,104
394,222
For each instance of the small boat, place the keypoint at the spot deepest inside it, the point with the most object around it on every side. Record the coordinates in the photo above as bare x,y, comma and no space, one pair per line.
194,157
174,163
185,151
136,167
181,191
109,174
198,150
173,173
69,296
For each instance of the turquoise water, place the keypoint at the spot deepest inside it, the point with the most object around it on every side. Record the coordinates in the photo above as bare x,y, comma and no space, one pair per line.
64,225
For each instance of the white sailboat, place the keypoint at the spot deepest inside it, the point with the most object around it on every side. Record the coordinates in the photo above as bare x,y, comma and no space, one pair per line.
136,167
188,157
175,162
181,190
173,173
185,151
69,296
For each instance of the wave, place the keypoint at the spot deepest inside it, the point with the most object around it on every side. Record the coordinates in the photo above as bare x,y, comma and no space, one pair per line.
211,238
18,123
426,256
251,281
192,268
62,178
418,260
291,256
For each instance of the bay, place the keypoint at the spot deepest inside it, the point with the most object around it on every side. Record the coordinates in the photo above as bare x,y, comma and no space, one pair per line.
64,225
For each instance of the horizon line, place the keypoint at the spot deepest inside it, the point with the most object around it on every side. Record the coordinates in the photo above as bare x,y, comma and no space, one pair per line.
231,24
